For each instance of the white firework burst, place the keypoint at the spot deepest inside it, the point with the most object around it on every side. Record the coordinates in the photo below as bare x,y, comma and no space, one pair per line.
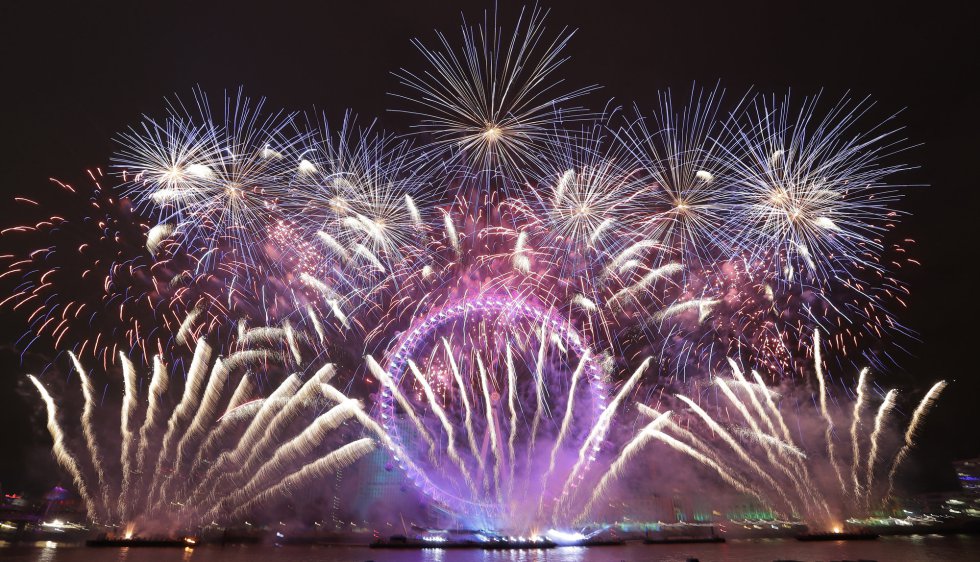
492,101
811,189
212,174
690,196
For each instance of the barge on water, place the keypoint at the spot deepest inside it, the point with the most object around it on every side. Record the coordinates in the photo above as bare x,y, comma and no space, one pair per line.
684,540
481,543
597,542
137,542
843,536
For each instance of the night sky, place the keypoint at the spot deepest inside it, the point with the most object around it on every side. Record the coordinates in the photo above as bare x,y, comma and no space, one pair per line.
77,74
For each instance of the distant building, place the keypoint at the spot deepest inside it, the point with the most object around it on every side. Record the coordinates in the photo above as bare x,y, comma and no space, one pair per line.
968,473
964,502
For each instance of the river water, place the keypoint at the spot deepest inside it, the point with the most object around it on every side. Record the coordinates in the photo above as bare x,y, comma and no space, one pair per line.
916,548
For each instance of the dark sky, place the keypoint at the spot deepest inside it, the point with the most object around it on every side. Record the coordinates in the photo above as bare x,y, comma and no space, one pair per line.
76,74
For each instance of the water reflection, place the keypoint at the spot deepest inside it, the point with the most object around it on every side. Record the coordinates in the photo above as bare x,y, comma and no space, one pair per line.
921,548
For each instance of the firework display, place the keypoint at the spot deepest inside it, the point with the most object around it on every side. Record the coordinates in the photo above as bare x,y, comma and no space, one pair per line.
522,297
499,395
223,450
783,473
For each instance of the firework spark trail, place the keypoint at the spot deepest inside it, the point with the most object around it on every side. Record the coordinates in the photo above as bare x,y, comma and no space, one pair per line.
651,277
772,441
491,424
331,243
785,448
917,416
245,412
187,326
243,392
725,475
400,454
371,257
512,406
263,335
451,233
333,301
631,448
703,306
491,104
290,458
563,182
61,453
467,411
156,236
829,434
585,303
773,409
600,229
226,425
696,441
598,432
520,260
413,211
207,412
292,451
275,428
693,440
628,254
88,429
538,391
216,436
181,415
246,443
725,435
338,313
735,446
337,460
800,487
862,392
128,412
154,416
740,377
566,422
274,431
291,340
774,413
367,226
879,427
798,173
317,326
318,285
760,412
447,426
629,265
406,405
